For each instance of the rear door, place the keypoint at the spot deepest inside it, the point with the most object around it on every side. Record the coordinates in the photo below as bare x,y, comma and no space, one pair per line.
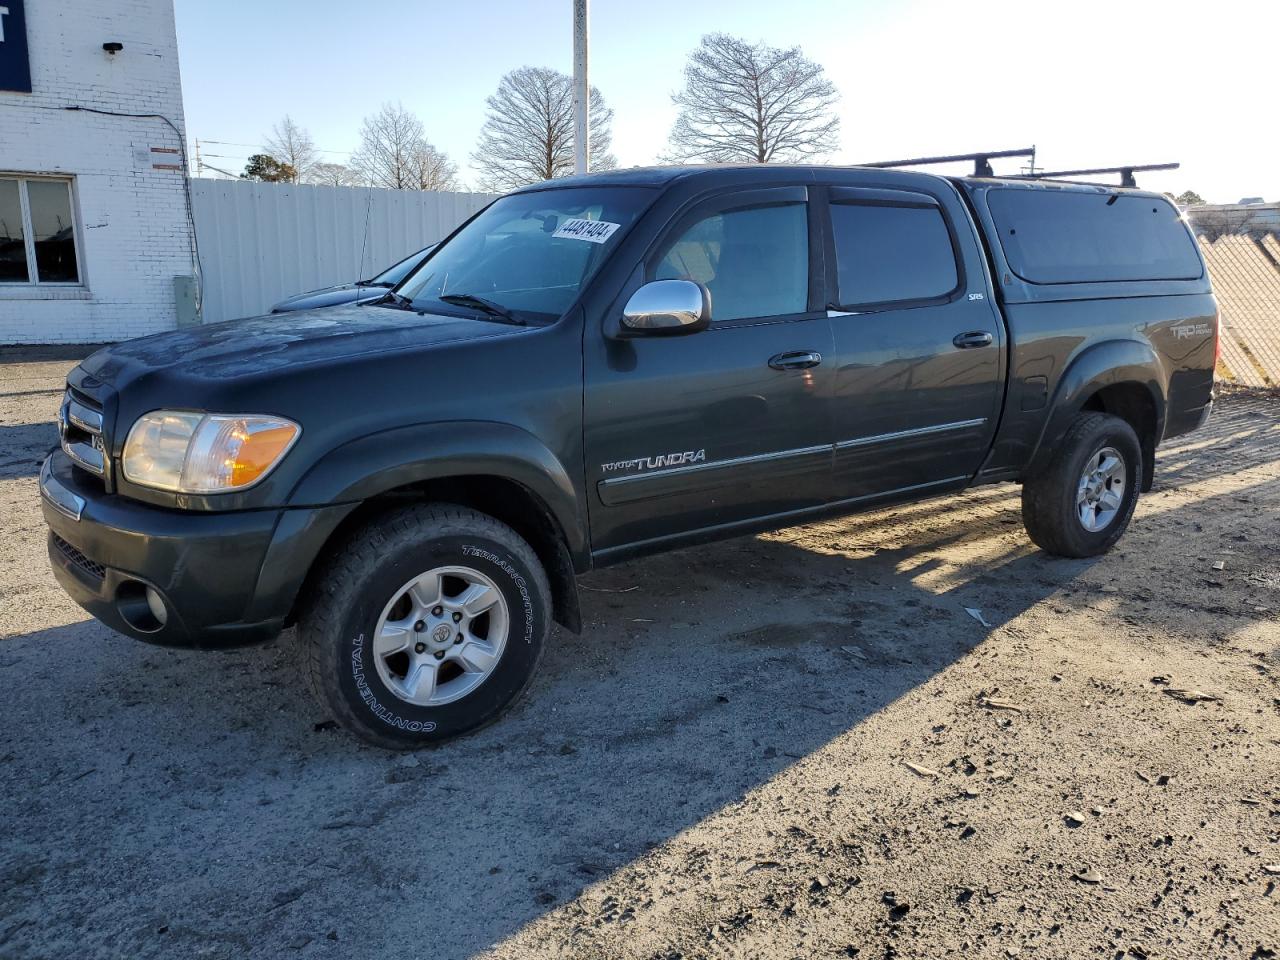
919,344
705,431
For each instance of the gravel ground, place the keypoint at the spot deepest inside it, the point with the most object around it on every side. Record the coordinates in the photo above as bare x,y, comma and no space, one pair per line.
795,745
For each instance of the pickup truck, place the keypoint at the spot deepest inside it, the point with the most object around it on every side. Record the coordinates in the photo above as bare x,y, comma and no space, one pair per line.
601,367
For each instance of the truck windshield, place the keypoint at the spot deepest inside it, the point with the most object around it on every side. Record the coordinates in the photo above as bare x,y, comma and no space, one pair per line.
398,271
528,253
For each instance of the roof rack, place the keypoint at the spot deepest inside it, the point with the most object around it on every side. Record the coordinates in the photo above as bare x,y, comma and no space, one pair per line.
982,166
981,161
1126,173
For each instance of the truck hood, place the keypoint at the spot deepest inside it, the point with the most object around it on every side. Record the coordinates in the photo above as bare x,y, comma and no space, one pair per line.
276,342
330,296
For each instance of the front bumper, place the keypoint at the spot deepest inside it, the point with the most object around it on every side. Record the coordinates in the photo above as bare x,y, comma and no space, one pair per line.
222,579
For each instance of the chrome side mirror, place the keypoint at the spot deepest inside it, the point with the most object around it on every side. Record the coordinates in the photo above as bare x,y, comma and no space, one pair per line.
667,307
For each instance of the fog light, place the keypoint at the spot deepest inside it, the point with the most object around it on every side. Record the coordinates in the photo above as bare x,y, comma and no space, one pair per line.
140,606
156,606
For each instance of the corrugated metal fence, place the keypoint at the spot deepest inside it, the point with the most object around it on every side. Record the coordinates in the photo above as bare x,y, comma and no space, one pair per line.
262,242
1241,246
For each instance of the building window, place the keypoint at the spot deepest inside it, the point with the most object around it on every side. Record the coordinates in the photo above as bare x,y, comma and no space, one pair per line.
38,240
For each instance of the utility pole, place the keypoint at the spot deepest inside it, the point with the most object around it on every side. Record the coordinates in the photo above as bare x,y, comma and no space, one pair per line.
581,88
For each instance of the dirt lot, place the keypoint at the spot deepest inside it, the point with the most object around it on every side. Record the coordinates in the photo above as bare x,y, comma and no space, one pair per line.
717,767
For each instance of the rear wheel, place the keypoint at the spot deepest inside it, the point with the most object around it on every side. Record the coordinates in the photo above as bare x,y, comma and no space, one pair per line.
1080,504
427,625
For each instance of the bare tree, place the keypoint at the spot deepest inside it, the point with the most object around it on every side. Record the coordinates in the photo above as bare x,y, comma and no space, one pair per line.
292,145
432,169
527,135
334,175
752,103
387,143
394,153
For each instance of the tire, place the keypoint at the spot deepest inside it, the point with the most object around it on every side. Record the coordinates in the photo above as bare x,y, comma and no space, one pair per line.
1056,518
381,578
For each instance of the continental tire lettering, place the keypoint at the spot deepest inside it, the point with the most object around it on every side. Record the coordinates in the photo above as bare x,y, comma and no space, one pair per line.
389,717
518,580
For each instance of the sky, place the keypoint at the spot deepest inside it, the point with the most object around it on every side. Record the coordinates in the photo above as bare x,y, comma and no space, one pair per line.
1088,83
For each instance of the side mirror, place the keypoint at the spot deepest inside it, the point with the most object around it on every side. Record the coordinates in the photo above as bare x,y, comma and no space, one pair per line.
668,307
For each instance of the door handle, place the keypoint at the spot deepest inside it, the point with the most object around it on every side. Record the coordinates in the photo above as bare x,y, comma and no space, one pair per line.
797,360
974,338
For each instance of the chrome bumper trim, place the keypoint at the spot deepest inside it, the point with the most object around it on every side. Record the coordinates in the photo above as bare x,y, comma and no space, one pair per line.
58,496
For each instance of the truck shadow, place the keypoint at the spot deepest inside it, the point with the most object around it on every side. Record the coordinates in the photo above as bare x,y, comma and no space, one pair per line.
234,820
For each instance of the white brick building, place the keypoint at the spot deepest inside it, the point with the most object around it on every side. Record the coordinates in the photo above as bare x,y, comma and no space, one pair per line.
94,223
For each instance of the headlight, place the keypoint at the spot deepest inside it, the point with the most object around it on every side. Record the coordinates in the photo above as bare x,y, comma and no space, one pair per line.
205,452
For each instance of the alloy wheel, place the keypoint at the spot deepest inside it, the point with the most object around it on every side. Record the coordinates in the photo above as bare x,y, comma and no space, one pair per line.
1100,491
441,635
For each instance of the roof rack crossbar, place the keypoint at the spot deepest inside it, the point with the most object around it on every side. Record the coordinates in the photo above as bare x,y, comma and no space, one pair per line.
981,161
1126,172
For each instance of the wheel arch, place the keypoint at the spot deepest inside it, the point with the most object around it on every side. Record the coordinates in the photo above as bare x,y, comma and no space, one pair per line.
497,469
1123,378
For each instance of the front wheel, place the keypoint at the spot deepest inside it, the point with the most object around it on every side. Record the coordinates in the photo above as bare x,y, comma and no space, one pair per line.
428,624
1080,504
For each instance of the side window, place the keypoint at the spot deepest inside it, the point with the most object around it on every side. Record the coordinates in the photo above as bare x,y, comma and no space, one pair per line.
755,261
891,253
1082,236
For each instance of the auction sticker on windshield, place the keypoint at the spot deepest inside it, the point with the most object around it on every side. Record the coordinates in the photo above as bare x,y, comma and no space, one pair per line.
593,231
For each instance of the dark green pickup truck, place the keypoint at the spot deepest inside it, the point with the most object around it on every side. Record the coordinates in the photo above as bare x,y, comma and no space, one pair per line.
602,367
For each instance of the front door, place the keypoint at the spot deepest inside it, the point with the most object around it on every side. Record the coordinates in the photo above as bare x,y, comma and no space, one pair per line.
919,344
731,424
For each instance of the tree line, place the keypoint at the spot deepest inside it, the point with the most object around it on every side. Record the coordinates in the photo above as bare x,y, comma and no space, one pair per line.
740,103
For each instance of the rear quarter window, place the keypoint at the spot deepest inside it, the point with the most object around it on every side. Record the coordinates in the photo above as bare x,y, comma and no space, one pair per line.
1077,237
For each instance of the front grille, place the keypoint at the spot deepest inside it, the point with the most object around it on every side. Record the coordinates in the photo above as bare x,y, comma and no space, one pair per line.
80,431
91,567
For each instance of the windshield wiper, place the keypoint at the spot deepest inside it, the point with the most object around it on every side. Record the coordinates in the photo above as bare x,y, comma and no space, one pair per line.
393,299
374,283
482,304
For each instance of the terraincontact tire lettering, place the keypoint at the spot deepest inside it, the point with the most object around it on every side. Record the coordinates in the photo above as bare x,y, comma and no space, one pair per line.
518,580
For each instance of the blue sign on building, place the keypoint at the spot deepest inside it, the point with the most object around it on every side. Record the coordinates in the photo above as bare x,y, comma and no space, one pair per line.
15,67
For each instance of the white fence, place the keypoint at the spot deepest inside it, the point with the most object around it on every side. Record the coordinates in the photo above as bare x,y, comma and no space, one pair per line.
262,242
